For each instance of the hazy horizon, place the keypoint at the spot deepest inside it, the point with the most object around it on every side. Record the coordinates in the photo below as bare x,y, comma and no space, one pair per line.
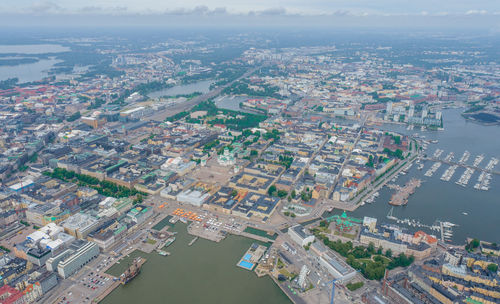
440,15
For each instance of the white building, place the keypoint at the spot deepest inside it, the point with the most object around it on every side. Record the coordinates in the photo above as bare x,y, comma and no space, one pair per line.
370,222
193,197
299,234
304,271
389,107
83,252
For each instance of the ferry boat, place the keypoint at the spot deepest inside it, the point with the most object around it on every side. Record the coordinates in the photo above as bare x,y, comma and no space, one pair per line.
169,241
163,253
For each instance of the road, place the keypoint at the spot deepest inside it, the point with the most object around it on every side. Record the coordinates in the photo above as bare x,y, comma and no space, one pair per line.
348,155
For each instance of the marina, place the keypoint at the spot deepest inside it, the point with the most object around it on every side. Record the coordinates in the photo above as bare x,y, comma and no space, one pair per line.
492,163
449,157
446,231
483,181
372,198
464,179
465,157
433,169
448,174
478,160
412,222
438,153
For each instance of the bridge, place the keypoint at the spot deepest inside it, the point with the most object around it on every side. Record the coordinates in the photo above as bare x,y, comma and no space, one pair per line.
452,163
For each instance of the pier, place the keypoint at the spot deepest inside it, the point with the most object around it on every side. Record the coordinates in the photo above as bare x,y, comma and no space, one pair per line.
192,241
401,196
106,292
458,164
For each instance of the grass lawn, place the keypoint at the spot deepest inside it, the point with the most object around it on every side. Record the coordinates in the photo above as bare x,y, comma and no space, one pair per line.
285,272
346,235
150,241
369,261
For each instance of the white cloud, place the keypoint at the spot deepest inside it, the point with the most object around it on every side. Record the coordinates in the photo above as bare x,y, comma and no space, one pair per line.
259,7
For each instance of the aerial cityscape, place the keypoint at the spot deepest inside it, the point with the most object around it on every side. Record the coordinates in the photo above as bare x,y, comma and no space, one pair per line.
230,155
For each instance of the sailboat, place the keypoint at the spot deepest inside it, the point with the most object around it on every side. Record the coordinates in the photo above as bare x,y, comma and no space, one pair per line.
390,215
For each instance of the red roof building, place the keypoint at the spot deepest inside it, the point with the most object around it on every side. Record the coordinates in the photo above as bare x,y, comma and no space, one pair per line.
10,295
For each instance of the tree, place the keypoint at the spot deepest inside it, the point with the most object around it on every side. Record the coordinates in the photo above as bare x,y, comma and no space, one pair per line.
271,190
371,248
354,286
74,116
282,193
493,267
234,193
293,194
139,199
388,253
472,244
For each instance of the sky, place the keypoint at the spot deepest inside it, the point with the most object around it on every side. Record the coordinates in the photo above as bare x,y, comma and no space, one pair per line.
483,14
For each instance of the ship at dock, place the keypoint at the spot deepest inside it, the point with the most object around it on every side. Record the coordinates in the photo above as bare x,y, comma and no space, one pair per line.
132,271
167,243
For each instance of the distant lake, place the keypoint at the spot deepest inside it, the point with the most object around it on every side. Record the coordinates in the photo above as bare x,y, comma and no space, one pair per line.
33,48
232,103
200,86
28,72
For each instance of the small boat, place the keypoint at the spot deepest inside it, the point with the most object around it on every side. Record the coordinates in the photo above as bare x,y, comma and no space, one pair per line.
465,213
163,253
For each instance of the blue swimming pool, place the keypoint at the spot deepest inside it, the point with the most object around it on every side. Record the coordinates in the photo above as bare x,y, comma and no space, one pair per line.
247,257
246,265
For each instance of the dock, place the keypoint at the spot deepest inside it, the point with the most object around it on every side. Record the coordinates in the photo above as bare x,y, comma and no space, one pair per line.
401,196
106,292
116,282
192,241
251,257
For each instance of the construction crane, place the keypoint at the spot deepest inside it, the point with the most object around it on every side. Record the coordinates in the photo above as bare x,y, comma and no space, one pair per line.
333,289
333,282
